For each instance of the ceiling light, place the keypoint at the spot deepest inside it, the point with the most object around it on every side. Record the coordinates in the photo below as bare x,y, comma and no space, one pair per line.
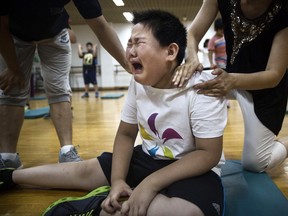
128,16
118,2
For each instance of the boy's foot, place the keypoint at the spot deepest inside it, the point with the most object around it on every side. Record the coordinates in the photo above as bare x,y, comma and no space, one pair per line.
70,156
8,163
6,178
96,94
89,204
85,95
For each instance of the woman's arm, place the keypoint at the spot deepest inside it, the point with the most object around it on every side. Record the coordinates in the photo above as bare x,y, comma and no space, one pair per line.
95,50
199,27
72,36
276,68
80,53
195,33
108,39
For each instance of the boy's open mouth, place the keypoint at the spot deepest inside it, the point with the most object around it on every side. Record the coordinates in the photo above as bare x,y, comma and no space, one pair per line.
137,66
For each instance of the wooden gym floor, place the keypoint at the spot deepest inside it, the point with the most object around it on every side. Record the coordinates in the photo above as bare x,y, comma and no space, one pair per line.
95,122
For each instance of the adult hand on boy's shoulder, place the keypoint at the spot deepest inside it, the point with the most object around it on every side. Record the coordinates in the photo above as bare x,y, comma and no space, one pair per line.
118,193
139,201
184,72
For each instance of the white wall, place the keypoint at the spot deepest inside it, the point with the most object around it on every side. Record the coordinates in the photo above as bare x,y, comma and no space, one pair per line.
108,78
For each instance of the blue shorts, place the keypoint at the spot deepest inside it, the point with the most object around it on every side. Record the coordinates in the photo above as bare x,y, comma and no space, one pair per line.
205,191
89,76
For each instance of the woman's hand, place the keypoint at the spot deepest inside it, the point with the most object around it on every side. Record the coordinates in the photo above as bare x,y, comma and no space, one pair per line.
217,87
119,192
184,72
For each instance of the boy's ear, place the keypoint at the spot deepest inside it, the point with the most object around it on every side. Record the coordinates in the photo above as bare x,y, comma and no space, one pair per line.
173,50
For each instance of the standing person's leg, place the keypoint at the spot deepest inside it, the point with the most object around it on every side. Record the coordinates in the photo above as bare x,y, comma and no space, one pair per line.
94,82
55,55
86,83
261,150
96,91
12,107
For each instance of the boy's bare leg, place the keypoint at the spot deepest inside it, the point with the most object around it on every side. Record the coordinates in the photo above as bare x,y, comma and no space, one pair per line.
83,175
96,88
86,88
162,205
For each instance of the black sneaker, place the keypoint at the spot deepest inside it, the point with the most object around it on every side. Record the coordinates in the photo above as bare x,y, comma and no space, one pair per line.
85,95
87,205
6,178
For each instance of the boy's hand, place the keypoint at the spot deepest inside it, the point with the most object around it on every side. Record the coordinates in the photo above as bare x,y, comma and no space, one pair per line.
139,201
119,192
184,72
10,79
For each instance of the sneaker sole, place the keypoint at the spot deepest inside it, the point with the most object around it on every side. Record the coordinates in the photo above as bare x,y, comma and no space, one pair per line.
4,186
71,210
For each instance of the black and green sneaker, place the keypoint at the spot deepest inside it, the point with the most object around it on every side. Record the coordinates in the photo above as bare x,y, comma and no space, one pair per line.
88,205
6,181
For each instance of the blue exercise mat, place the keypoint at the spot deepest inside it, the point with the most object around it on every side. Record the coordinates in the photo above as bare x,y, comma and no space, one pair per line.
112,96
40,97
251,194
36,113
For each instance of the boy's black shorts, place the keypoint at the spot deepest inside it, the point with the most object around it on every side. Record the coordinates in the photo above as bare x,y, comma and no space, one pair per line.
205,191
89,76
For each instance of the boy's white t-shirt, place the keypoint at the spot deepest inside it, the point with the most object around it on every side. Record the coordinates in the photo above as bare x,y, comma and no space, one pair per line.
170,119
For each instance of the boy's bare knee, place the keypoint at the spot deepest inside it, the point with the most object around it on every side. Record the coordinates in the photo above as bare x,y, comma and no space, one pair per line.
162,205
92,174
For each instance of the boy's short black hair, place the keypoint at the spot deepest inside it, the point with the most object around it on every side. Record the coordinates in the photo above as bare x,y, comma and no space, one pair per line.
89,44
165,27
218,25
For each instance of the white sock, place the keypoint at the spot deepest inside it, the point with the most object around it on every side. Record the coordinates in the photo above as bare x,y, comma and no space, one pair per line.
10,156
66,148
